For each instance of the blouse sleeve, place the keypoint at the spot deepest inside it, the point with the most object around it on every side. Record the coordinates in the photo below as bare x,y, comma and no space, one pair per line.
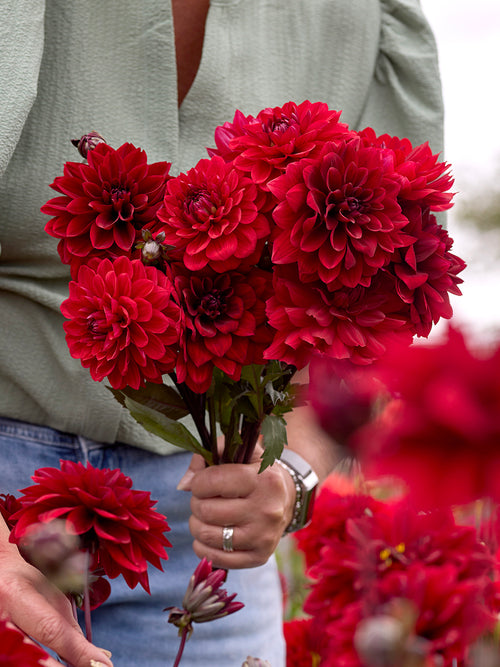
405,98
21,46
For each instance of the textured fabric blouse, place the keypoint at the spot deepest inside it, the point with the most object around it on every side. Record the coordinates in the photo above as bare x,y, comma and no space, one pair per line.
68,67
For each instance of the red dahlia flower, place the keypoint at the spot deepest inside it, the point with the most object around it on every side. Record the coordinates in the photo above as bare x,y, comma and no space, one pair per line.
392,552
123,324
343,396
423,179
308,319
211,215
9,505
332,511
442,435
225,324
104,203
301,649
264,146
117,524
17,650
426,272
338,216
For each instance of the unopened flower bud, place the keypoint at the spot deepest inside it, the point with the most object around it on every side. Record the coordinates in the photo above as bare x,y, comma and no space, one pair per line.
379,641
204,599
88,142
255,662
56,553
153,250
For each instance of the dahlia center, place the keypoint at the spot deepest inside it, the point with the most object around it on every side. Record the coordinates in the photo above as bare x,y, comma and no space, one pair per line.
199,203
120,199
212,305
97,326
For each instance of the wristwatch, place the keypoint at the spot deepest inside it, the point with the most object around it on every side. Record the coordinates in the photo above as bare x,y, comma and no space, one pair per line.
306,482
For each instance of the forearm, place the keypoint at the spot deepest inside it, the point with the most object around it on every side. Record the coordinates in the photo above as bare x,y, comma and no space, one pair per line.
306,437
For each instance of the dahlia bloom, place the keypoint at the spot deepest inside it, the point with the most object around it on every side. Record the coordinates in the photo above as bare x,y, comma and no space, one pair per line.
116,523
338,216
210,215
441,435
104,204
422,177
348,323
224,322
426,272
265,145
394,552
343,396
301,649
17,650
123,323
9,505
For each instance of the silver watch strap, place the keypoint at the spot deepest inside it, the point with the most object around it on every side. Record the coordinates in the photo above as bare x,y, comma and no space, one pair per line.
305,481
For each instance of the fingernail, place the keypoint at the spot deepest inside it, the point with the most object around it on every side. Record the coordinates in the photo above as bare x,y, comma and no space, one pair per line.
96,663
185,483
107,653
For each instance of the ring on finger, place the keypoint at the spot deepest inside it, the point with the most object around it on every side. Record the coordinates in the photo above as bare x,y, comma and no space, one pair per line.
227,538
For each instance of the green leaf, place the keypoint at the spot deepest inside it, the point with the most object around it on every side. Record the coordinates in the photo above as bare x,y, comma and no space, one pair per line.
166,428
273,439
161,398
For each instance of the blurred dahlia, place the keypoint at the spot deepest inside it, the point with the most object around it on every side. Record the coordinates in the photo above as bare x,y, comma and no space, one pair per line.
301,643
116,523
441,435
105,203
224,322
308,319
442,569
264,146
343,396
123,323
17,650
211,216
338,216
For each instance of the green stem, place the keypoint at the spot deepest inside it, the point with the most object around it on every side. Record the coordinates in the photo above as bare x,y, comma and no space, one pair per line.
213,429
184,636
86,598
195,404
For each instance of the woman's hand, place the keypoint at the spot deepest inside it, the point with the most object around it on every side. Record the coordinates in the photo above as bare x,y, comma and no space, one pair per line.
40,610
258,506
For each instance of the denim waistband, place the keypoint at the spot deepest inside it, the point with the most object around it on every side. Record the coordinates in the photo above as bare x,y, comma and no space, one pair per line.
44,434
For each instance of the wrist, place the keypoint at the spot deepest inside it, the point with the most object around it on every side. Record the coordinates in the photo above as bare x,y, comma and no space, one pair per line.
304,482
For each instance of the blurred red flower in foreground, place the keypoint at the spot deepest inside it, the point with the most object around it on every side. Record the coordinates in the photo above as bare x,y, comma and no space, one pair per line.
16,650
374,554
104,203
441,433
122,322
343,396
117,524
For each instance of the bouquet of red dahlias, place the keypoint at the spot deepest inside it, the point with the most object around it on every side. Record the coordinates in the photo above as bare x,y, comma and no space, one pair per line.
203,293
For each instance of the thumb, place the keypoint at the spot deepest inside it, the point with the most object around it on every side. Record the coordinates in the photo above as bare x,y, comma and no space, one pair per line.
197,463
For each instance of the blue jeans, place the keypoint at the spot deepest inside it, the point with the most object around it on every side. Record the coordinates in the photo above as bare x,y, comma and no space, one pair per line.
131,623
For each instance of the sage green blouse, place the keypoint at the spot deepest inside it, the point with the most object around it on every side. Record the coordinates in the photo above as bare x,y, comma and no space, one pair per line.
71,66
